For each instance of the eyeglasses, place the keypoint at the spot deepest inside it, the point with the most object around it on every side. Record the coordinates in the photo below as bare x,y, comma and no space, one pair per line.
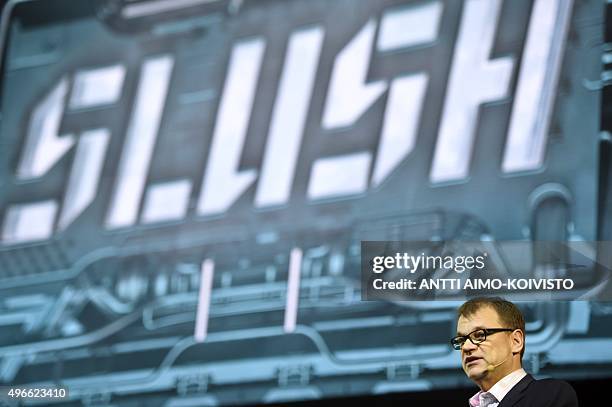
477,336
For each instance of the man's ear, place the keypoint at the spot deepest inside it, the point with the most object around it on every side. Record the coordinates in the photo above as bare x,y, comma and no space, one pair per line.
518,341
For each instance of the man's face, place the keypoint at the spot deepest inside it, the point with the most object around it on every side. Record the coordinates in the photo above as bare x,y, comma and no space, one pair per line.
477,359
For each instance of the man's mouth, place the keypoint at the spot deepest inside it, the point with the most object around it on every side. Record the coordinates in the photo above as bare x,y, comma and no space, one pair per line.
471,359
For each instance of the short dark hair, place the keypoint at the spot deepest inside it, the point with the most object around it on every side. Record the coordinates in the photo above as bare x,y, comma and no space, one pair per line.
508,312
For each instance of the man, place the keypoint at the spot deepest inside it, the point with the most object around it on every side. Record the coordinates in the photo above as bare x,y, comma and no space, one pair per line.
491,338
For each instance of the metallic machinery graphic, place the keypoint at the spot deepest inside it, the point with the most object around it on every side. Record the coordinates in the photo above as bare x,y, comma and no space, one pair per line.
184,186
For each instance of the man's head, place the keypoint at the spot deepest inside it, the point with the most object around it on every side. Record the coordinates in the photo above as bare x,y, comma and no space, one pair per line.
498,328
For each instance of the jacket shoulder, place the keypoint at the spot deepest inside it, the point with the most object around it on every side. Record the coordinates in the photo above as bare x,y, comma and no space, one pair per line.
551,384
555,390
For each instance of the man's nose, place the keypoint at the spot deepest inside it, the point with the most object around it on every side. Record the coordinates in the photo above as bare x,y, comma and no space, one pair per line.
468,346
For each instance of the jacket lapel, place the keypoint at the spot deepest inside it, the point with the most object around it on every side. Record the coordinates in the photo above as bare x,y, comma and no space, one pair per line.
517,392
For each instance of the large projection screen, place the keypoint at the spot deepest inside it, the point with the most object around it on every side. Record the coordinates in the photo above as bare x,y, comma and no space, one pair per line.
184,186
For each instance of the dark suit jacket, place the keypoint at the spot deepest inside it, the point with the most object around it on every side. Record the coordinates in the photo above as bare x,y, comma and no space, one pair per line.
540,393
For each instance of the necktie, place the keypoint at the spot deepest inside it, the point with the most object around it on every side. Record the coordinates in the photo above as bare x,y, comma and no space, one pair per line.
487,399
482,399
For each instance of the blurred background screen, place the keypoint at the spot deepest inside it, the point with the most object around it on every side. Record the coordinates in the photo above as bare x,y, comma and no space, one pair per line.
184,186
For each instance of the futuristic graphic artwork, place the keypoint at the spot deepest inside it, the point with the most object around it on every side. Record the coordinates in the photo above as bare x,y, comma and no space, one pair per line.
185,185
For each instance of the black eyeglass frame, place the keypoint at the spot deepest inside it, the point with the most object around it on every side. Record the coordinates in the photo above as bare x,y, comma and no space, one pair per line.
487,331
